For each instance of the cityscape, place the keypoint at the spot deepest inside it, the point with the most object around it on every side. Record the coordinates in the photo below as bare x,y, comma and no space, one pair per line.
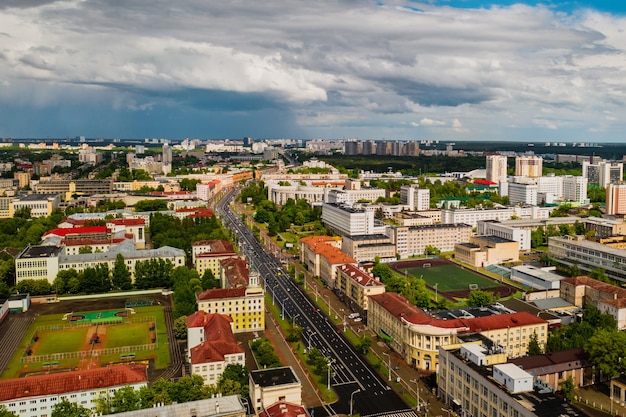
311,277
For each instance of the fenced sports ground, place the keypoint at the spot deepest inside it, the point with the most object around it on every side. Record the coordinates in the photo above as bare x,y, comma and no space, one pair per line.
452,281
82,340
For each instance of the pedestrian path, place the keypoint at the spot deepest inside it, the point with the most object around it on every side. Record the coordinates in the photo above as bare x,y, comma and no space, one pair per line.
407,413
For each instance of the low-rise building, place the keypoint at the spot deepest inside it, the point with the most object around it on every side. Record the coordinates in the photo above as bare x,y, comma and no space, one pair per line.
555,367
536,278
357,285
36,396
40,205
609,299
413,240
321,256
346,220
364,248
495,228
134,227
207,254
219,406
269,386
212,346
246,306
472,216
482,251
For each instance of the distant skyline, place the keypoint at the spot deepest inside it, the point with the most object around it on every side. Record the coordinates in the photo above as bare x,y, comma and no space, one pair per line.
449,70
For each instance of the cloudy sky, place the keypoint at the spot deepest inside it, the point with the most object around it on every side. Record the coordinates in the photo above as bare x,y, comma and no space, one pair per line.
439,69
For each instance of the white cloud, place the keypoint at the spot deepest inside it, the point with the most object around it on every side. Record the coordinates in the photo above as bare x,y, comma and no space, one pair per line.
330,63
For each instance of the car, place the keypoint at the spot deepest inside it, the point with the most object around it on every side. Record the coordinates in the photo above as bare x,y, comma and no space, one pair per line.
353,315
357,319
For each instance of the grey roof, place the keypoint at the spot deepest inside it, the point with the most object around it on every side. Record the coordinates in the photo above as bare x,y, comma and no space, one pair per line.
552,303
211,407
378,236
40,251
542,274
274,376
494,239
127,249
37,197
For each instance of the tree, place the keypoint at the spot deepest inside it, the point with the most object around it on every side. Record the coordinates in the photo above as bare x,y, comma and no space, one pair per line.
236,373
34,287
208,280
607,351
294,332
180,328
599,274
121,278
534,348
431,250
151,205
382,272
85,249
61,283
95,279
4,412
153,273
574,271
480,298
567,387
364,344
65,408
22,213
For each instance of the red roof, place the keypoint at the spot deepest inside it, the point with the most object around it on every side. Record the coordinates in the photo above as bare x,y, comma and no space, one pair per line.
360,276
219,338
89,242
236,272
77,222
219,293
76,231
484,182
284,409
73,381
215,245
127,222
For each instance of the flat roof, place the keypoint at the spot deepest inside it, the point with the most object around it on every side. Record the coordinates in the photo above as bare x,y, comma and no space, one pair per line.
40,251
539,273
274,376
494,239
36,197
378,236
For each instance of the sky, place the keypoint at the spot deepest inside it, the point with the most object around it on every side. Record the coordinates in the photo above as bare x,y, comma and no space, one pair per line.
407,70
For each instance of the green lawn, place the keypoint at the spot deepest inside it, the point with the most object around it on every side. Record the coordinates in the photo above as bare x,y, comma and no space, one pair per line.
127,335
450,278
71,340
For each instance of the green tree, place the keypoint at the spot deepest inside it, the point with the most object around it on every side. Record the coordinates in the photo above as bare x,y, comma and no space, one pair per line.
61,283
34,287
567,388
22,213
95,279
4,412
65,408
599,274
574,271
85,249
121,278
607,351
180,328
239,375
153,273
431,250
150,205
364,344
480,298
534,348
382,272
208,280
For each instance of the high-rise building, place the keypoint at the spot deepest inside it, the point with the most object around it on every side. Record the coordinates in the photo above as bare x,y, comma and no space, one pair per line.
528,166
616,198
604,172
496,167
166,159
575,188
412,148
524,193
414,197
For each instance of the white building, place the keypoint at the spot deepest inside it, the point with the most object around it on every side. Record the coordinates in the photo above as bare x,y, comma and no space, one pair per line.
536,278
269,386
522,193
496,167
492,227
219,406
418,199
575,189
472,216
36,396
345,220
354,196
603,172
40,205
279,194
550,185
212,345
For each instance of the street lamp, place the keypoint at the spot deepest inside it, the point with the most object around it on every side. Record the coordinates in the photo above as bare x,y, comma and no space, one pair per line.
330,362
293,319
351,399
284,301
315,292
328,299
388,366
417,393
311,338
436,295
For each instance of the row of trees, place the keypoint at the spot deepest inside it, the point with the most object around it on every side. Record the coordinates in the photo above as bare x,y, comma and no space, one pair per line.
171,231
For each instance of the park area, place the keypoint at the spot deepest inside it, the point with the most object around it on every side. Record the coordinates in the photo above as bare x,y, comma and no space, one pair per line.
450,280
82,340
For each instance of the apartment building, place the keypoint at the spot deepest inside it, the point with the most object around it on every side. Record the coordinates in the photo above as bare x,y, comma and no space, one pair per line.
528,166
69,188
418,199
279,194
40,205
575,189
616,198
354,195
357,285
412,240
345,220
496,168
603,173
523,193
245,306
321,256
211,345
207,254
367,248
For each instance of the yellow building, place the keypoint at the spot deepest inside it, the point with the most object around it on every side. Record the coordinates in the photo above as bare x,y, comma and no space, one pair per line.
357,285
417,335
207,254
246,306
482,251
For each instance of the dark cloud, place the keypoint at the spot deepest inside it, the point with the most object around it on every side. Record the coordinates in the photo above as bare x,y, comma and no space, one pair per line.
437,95
24,4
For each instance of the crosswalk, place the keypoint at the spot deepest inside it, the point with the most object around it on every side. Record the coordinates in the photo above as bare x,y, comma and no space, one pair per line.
399,413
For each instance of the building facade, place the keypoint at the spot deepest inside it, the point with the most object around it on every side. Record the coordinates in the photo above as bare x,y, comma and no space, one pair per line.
496,168
413,240
528,166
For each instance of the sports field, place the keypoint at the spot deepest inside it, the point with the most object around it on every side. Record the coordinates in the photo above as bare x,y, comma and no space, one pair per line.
55,342
450,277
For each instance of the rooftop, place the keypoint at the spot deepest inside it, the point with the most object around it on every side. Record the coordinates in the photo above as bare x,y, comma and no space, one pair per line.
226,405
38,251
283,409
274,376
493,239
37,197
361,277
220,293
539,273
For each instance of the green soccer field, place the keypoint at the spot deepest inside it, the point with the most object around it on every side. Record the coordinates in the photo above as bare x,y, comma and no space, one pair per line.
450,278
63,339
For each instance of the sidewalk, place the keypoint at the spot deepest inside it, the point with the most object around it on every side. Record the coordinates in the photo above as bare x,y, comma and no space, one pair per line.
597,399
